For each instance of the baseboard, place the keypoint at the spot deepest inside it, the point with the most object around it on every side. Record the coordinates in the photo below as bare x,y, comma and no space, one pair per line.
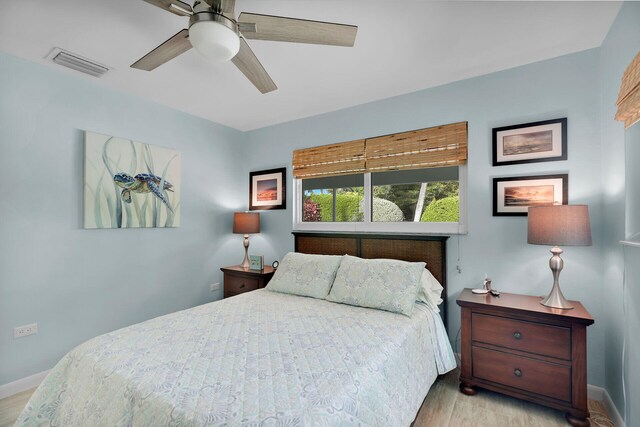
23,384
601,394
596,393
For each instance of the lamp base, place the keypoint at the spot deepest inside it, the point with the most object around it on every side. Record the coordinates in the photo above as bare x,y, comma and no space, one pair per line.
555,299
245,263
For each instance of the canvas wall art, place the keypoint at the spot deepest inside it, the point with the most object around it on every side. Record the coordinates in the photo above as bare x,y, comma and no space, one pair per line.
514,195
129,184
544,141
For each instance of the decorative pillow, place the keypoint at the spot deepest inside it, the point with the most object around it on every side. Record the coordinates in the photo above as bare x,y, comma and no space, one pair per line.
430,291
386,284
304,274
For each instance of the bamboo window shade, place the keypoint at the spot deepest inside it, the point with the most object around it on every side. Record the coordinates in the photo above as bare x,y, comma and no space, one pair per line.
328,160
424,148
629,96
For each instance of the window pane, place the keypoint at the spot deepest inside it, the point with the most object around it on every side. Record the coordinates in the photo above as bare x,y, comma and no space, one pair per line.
333,199
426,195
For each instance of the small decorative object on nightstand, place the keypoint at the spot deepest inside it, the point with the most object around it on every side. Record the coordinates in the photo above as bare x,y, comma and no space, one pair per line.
238,280
256,262
516,346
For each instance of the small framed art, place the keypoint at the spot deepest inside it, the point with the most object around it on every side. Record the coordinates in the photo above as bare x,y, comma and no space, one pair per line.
256,262
544,141
267,189
514,195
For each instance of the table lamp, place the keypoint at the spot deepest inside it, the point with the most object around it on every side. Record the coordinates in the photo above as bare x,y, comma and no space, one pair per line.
246,223
566,225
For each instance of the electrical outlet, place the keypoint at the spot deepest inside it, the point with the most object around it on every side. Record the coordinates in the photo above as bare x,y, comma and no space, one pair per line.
215,287
23,331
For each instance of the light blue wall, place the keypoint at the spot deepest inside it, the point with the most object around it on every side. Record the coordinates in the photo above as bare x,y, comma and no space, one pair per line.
79,283
563,87
618,50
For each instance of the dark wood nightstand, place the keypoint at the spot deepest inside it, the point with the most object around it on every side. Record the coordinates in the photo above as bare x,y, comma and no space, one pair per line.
514,345
238,280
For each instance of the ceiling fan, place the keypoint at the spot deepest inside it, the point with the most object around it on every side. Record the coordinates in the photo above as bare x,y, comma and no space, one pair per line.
217,35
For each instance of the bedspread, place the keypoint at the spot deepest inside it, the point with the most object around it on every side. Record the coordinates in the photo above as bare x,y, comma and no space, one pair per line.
260,358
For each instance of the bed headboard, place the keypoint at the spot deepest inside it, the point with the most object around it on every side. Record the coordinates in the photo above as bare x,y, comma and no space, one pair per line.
415,248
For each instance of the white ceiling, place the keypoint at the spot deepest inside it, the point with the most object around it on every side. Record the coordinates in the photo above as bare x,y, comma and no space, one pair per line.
401,47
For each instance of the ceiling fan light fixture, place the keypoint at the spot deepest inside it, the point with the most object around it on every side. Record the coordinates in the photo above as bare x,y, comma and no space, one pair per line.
215,32
213,37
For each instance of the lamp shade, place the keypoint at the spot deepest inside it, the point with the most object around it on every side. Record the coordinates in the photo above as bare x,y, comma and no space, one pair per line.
214,41
246,222
559,225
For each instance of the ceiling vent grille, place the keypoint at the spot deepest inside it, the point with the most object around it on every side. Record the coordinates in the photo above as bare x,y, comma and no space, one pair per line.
77,62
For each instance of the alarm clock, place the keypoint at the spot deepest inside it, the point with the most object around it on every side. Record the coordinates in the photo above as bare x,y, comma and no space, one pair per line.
275,264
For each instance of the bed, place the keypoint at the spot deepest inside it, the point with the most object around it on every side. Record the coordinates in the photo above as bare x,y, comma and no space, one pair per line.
260,358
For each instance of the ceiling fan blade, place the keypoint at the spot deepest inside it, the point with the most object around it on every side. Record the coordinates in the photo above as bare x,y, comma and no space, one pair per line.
247,62
174,6
168,50
278,28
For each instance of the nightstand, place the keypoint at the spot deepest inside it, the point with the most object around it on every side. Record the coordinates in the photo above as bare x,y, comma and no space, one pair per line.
514,345
238,280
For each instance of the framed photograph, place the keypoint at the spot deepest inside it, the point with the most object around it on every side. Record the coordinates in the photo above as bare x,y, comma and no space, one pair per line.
267,189
256,262
530,142
513,196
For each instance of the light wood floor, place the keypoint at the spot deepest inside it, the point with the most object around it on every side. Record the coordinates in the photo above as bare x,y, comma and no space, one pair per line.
445,406
11,407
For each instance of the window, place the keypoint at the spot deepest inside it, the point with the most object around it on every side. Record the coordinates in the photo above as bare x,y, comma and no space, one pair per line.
418,195
429,200
411,182
333,199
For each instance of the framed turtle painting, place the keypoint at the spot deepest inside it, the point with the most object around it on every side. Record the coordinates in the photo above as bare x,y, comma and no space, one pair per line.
130,184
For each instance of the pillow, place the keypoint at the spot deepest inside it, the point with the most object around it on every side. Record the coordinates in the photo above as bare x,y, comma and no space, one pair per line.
386,284
304,274
430,291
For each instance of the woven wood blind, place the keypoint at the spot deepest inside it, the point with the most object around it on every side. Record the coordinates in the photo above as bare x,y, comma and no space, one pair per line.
335,159
424,148
629,96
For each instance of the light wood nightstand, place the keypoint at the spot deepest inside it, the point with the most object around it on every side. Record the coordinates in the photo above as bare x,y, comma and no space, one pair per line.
514,345
238,280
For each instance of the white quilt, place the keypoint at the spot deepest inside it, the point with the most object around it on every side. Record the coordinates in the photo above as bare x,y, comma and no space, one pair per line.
260,358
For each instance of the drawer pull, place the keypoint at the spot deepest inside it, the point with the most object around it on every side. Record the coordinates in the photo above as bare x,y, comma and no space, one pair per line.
242,286
517,372
517,335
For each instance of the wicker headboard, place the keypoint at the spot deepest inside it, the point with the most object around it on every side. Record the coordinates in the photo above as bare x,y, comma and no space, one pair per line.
429,249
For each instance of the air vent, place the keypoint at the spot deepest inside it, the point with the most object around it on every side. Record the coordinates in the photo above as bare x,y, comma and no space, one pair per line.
77,62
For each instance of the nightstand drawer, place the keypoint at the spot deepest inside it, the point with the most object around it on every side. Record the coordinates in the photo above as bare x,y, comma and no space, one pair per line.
547,379
546,340
239,284
238,280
